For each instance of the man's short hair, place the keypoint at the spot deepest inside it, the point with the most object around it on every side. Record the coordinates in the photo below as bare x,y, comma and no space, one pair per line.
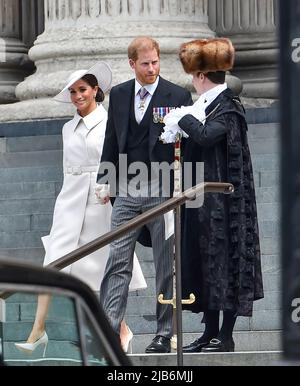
142,43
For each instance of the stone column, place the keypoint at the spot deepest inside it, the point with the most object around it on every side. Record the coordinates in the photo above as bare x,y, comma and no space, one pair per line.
14,61
80,32
251,24
33,23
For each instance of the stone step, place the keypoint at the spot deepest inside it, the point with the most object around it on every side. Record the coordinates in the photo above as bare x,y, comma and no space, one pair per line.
271,264
143,302
263,358
21,239
270,268
244,341
49,143
52,128
269,247
60,311
31,174
145,305
262,320
54,361
263,178
142,307
265,162
264,157
64,353
263,131
146,324
268,211
62,331
263,146
26,241
16,331
269,229
31,143
36,255
34,128
25,223
267,179
58,353
29,190
28,159
266,195
32,255
41,190
27,207
262,115
53,141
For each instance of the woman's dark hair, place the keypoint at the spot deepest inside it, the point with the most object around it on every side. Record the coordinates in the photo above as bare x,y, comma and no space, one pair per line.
91,80
217,77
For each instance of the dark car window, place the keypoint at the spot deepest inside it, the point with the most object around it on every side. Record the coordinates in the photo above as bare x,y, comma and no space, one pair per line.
77,331
73,337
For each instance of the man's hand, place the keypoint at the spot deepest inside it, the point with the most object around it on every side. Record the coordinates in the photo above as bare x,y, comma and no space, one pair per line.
102,193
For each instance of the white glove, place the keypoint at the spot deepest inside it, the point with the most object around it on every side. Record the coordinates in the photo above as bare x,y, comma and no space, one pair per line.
102,193
171,128
169,136
171,120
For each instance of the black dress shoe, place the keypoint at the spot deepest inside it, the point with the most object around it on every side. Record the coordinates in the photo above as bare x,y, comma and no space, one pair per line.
160,344
195,346
216,345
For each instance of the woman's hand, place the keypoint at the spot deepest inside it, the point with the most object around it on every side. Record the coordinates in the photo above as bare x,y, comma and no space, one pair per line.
102,193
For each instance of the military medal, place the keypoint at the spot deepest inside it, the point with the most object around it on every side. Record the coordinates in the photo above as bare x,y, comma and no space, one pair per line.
160,112
155,115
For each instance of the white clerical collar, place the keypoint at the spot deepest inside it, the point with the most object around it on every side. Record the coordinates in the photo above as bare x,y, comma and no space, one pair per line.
209,96
149,87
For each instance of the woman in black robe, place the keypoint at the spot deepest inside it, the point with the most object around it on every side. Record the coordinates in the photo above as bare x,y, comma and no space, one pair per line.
221,261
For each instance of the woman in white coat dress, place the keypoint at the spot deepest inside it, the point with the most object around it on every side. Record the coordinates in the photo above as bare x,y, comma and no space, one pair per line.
78,215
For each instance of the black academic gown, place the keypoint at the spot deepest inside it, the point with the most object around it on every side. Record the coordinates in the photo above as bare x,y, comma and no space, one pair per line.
221,261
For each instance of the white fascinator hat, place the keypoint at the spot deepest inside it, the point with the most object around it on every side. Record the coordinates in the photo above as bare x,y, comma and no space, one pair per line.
100,70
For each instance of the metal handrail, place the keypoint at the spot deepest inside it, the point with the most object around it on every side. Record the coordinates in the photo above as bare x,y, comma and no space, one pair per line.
139,221
142,219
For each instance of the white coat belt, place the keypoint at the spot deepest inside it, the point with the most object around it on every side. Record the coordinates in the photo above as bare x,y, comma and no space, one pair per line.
77,170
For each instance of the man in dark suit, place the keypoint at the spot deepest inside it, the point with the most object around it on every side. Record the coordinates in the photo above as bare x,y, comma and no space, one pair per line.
136,111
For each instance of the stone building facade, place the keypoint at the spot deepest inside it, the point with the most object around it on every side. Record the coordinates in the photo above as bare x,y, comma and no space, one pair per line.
75,34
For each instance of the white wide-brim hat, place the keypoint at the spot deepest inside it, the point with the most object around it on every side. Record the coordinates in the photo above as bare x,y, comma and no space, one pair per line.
100,70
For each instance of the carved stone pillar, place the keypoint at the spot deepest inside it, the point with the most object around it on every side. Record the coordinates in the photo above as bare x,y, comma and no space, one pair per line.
81,32
14,62
33,22
251,24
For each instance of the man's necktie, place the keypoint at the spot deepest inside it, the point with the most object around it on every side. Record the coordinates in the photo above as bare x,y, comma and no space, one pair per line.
143,93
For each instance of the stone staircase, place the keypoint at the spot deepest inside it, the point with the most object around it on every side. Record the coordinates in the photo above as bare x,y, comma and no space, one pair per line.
261,348
31,175
261,358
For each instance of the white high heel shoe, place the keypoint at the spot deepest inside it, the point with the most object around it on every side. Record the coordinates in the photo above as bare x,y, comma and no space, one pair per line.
127,345
30,347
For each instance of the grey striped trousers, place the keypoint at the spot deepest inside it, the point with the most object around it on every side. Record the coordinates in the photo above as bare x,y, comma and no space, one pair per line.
118,272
